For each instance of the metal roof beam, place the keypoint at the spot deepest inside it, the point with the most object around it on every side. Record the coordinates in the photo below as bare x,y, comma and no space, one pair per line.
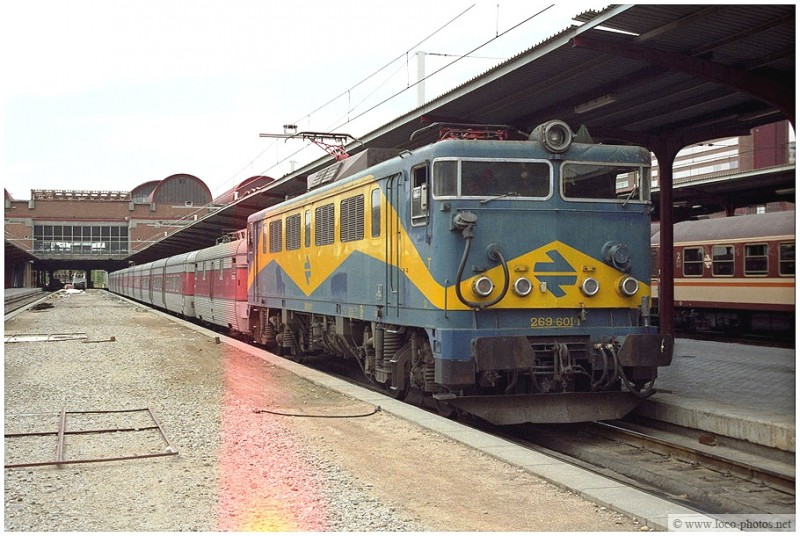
734,37
679,23
767,89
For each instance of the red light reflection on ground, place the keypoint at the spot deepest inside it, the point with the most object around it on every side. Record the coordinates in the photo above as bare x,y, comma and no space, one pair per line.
264,484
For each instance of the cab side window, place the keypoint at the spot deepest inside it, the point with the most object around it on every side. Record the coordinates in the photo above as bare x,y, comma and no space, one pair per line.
419,196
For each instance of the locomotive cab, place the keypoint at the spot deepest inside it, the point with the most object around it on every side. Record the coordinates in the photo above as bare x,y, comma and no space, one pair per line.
545,243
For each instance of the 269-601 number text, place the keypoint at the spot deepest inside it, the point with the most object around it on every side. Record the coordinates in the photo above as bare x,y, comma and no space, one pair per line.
554,322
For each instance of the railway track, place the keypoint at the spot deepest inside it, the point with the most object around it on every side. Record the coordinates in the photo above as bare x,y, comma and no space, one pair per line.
774,469
15,303
714,476
707,473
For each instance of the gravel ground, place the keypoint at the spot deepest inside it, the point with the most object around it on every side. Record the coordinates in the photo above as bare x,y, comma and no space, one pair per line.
181,378
236,469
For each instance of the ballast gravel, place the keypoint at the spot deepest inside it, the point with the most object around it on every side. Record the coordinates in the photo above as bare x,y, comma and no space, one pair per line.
253,450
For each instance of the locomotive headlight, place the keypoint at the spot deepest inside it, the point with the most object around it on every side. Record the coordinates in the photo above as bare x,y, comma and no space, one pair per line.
628,286
555,135
482,286
590,286
522,286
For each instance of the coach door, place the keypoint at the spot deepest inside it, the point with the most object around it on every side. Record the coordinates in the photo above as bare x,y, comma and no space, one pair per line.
164,286
392,246
149,282
212,278
252,259
259,253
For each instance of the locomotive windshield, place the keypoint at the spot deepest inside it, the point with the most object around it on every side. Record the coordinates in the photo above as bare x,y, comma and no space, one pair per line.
532,179
605,181
491,178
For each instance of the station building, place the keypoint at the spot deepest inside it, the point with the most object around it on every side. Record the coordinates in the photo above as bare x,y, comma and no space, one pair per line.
79,230
735,175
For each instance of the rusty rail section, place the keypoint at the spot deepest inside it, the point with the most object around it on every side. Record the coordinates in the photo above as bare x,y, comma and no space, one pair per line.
62,432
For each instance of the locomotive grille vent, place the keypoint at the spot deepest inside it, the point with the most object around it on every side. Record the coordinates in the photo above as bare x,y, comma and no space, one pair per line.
323,231
293,232
352,219
275,236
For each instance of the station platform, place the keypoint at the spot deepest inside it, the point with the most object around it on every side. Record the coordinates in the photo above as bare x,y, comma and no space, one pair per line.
735,390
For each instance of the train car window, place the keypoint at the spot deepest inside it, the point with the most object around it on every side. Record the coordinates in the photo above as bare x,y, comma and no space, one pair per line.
351,218
275,236
325,220
722,258
293,225
786,259
602,181
376,212
692,262
445,178
308,229
419,196
756,261
505,179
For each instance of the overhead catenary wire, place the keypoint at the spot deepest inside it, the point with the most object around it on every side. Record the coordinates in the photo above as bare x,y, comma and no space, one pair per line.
459,58
398,93
346,92
401,56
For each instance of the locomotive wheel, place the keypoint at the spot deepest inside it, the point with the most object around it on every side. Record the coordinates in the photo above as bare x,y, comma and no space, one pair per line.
397,394
444,409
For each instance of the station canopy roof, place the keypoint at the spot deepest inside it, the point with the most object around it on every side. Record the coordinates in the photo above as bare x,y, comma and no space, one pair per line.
634,74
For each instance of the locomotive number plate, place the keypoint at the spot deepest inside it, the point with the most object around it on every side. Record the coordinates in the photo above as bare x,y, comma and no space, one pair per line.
538,322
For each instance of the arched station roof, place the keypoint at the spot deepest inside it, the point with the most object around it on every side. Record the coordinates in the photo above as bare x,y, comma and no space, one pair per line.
181,188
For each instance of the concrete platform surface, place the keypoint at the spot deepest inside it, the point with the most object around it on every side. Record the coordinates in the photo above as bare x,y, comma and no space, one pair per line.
741,391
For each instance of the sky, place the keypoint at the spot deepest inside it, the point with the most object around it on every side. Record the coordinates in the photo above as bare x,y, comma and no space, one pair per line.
107,95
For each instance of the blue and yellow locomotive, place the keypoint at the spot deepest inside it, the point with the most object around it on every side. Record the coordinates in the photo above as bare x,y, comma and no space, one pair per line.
500,274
